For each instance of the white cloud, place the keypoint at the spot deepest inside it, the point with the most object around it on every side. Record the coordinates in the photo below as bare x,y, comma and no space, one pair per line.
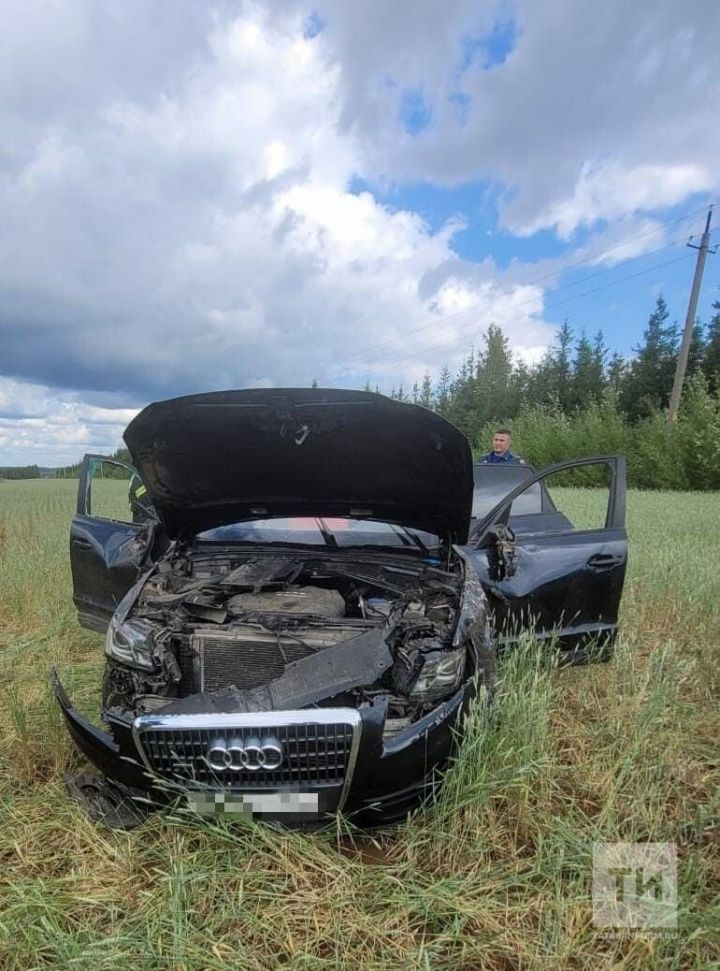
203,235
457,318
181,218
609,191
599,110
39,425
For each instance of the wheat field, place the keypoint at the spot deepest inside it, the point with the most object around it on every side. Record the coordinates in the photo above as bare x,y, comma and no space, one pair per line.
496,875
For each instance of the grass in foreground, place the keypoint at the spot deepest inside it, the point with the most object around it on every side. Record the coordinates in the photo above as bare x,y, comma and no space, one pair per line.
497,875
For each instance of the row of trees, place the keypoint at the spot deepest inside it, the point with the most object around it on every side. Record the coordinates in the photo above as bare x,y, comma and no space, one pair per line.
20,472
581,399
684,455
577,370
73,471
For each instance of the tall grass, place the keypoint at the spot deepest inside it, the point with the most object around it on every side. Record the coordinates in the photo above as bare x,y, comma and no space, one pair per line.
660,455
496,875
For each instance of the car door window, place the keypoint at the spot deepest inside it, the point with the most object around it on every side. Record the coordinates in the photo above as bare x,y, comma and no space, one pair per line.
493,482
108,543
108,491
580,497
560,573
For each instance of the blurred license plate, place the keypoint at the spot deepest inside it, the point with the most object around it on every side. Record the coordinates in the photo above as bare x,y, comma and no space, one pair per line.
252,804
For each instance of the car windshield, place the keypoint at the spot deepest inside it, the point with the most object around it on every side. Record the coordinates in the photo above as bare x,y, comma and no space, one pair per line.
494,482
316,531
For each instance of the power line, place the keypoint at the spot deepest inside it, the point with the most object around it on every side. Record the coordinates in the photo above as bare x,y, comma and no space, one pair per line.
363,354
373,357
558,303
429,347
505,319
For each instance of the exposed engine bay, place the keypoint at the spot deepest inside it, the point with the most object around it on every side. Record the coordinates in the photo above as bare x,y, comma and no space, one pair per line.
229,630
303,614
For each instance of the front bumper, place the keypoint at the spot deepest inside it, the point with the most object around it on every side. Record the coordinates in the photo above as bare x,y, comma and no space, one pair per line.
386,777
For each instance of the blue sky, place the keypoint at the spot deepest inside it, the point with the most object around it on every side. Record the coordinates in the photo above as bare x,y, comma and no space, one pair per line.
615,297
264,195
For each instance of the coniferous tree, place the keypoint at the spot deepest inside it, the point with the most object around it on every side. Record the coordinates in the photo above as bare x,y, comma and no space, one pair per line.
426,391
462,405
493,379
581,389
562,364
519,387
616,370
588,371
649,380
600,353
550,381
696,351
443,391
711,357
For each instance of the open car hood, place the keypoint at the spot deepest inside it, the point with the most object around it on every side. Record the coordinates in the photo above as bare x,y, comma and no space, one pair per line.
227,456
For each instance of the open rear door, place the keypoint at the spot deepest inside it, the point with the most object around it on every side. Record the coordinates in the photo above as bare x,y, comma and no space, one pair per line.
559,576
107,550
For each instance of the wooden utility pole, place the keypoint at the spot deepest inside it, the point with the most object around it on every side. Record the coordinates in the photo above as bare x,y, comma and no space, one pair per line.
690,319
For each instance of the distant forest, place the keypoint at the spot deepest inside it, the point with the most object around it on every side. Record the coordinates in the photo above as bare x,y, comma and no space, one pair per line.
22,472
580,399
73,471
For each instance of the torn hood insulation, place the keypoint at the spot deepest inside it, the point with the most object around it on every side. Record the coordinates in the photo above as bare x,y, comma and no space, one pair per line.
228,456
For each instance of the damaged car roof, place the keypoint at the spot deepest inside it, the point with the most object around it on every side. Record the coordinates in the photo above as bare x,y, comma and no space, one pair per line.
212,459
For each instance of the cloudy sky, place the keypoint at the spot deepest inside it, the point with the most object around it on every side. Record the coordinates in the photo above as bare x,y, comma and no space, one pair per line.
203,195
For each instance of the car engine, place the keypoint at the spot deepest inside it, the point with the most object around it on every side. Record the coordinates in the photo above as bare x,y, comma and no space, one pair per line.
218,629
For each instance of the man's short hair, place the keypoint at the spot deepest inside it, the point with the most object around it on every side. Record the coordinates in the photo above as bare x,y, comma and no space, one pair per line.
502,431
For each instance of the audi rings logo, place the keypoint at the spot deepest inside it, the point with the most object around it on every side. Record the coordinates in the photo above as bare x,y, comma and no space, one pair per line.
250,754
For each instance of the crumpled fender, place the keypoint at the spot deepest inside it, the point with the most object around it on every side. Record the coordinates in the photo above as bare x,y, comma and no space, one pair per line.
98,746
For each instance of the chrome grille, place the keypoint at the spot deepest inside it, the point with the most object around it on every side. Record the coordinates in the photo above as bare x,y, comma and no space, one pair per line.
318,747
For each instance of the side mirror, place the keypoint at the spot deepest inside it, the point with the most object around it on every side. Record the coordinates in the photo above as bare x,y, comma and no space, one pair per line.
485,538
499,541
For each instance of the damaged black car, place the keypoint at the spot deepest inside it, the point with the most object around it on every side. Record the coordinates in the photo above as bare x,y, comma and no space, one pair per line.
316,592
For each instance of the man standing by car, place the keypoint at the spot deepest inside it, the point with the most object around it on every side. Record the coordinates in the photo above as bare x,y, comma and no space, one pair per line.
501,454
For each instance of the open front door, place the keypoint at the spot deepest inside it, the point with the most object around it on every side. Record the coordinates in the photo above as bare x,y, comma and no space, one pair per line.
558,573
107,550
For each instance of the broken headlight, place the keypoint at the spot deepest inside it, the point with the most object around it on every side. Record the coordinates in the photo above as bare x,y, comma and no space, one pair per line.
130,643
440,674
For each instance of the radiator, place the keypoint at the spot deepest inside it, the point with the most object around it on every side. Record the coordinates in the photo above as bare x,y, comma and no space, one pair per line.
248,657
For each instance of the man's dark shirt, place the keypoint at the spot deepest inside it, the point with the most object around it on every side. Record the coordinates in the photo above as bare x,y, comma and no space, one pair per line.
507,458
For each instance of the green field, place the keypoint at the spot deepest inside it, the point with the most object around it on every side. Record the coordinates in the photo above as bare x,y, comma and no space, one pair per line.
497,875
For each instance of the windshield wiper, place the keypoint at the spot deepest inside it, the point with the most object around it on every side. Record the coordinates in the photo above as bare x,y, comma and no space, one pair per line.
418,542
327,535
